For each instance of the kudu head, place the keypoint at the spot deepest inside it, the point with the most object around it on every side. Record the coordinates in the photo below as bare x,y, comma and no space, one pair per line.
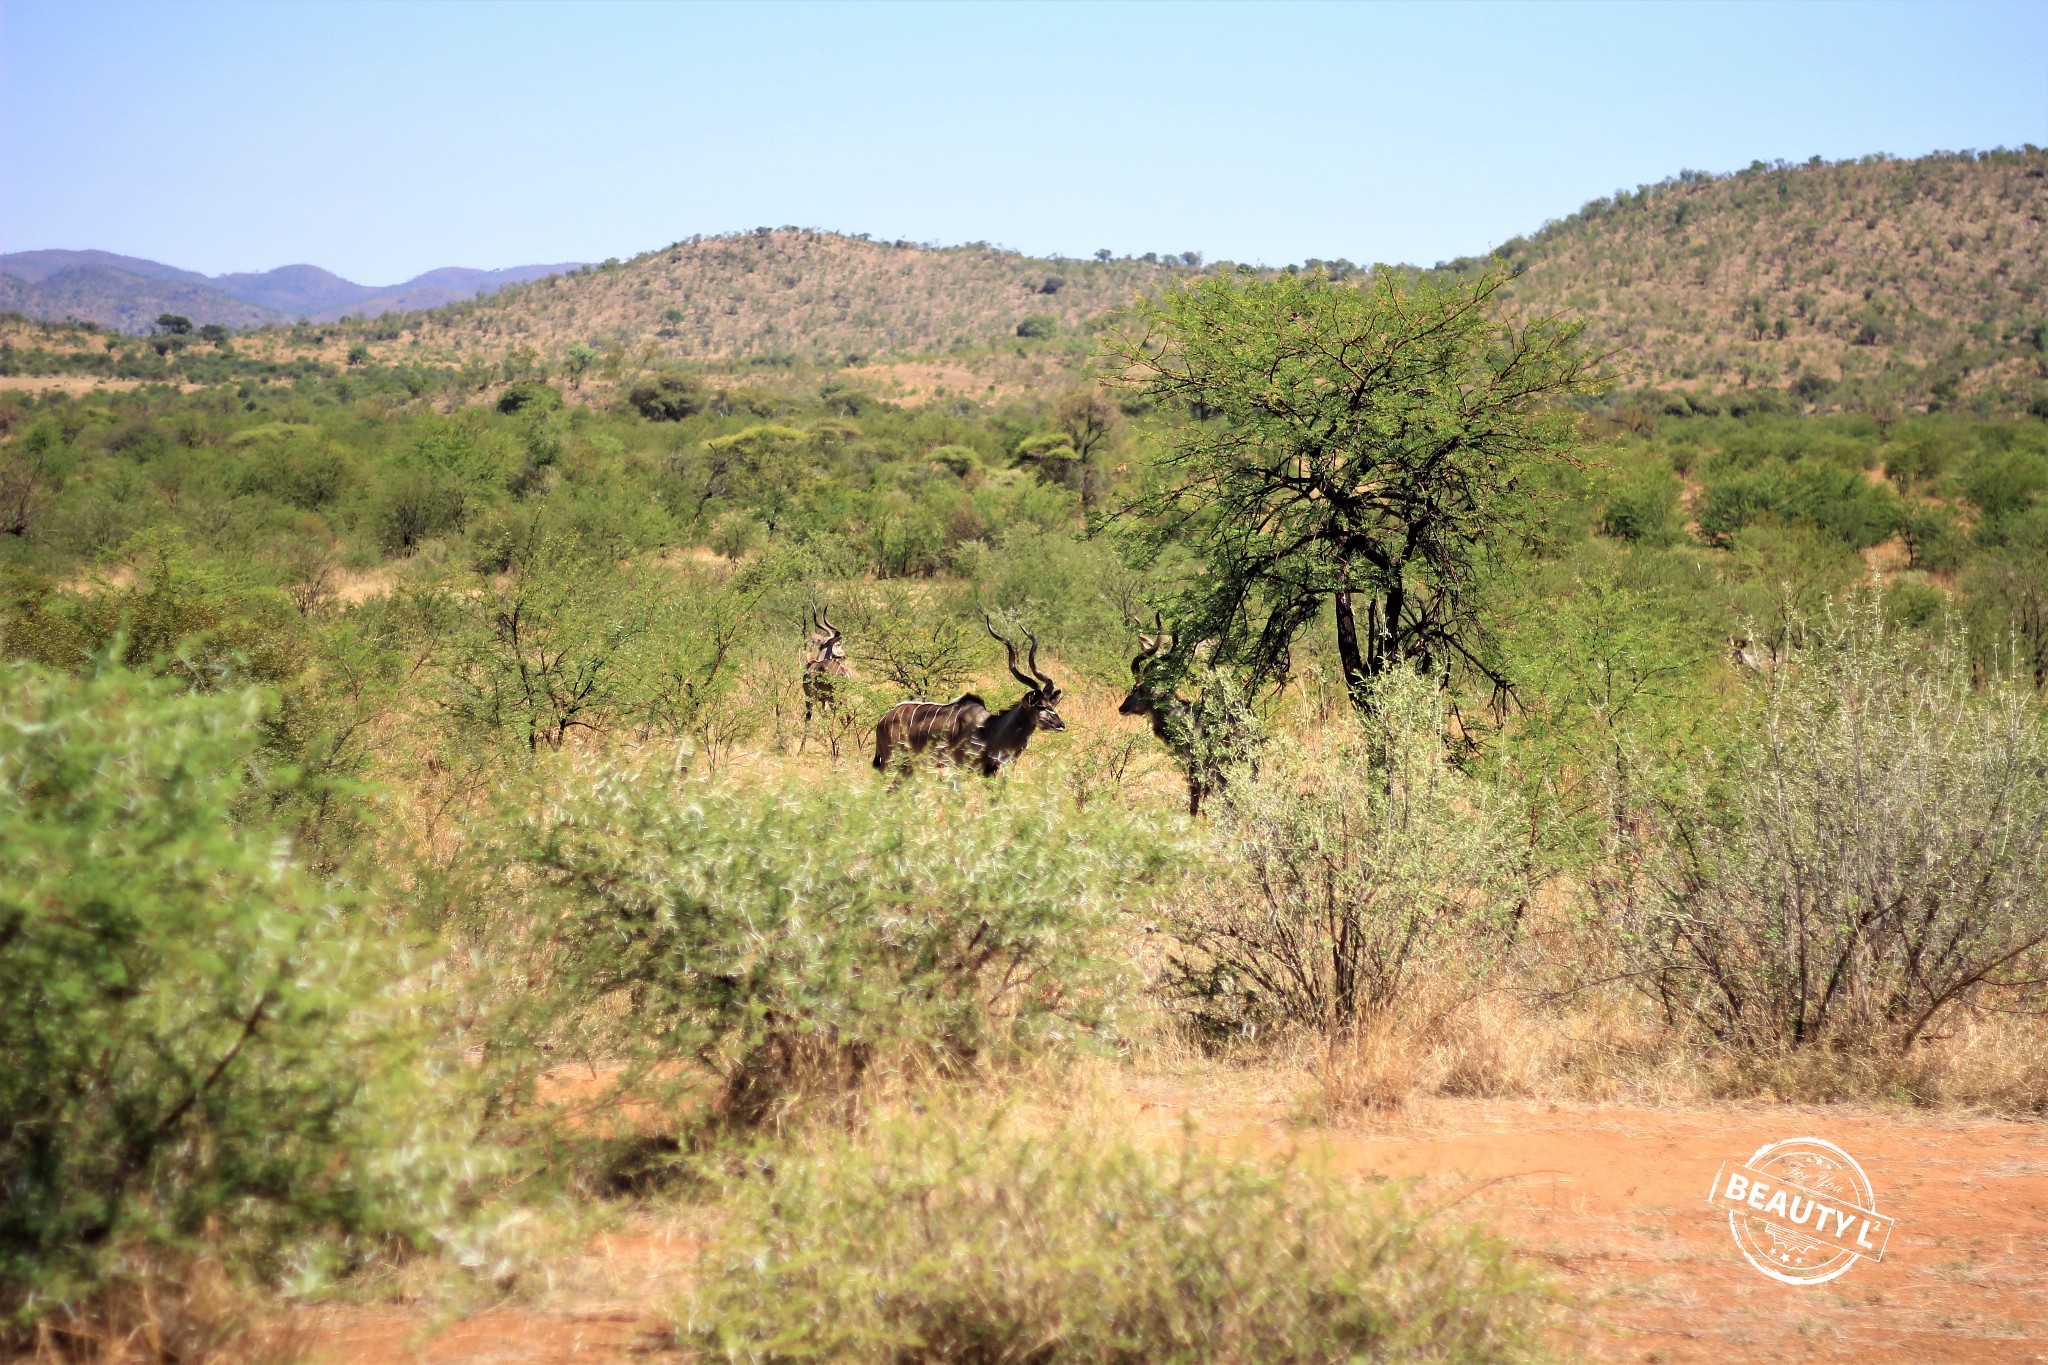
1042,694
1143,699
826,638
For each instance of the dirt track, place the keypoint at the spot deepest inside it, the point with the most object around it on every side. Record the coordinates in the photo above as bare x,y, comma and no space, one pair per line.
1613,1198
76,384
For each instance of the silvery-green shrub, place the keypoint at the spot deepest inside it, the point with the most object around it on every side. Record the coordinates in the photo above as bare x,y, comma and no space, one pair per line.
958,1238
1879,861
781,936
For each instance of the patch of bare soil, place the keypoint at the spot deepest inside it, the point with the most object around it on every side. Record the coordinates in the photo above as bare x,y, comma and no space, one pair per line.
500,1336
917,383
356,586
1611,1198
75,384
604,1304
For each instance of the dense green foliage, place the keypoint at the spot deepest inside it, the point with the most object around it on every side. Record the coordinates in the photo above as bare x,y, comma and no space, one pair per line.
202,1041
1372,443
548,569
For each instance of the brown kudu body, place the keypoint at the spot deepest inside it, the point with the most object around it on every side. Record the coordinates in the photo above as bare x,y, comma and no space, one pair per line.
964,731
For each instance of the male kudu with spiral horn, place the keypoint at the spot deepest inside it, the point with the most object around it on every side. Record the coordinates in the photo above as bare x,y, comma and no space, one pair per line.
826,666
963,731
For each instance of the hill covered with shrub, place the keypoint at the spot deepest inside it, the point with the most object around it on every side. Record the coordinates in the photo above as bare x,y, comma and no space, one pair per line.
1920,281
802,293
1915,283
1881,285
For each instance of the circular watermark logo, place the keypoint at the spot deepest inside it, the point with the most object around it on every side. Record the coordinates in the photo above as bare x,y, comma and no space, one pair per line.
1801,1210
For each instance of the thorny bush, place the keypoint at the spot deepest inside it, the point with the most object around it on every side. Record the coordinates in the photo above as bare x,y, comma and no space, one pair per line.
1352,863
1880,863
783,938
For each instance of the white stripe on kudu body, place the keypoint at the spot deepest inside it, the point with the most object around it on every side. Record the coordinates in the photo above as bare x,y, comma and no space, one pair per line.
964,731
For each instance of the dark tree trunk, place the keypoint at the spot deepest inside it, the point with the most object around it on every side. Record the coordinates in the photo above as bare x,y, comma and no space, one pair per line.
1355,674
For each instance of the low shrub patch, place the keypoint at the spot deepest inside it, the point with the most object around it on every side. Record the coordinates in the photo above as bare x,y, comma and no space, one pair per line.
963,1239
785,938
203,1051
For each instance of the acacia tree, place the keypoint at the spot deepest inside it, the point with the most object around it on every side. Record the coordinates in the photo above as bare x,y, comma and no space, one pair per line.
1345,443
1086,418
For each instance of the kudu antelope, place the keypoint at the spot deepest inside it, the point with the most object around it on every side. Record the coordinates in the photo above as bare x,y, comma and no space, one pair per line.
1750,656
1195,740
826,666
964,730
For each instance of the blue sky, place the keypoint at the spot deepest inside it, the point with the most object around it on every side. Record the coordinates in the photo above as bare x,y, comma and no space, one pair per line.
383,139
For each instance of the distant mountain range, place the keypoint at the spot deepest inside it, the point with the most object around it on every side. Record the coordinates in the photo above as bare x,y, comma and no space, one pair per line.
128,293
1918,282
1923,280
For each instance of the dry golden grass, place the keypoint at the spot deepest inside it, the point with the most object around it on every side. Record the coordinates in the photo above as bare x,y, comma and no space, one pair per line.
1612,1048
185,1310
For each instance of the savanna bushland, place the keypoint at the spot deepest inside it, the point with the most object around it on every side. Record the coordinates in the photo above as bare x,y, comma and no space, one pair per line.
421,843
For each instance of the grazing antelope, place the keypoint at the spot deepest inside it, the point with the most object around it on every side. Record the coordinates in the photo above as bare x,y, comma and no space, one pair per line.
1750,656
1196,741
823,670
964,730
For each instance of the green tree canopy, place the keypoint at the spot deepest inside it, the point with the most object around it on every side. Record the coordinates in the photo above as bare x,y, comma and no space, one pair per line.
1345,442
578,359
762,465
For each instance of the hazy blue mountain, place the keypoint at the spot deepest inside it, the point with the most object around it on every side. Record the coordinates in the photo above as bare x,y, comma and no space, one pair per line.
128,293
451,283
297,291
120,299
36,266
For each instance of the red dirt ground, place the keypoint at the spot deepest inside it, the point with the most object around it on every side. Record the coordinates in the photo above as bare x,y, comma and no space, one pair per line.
1613,1198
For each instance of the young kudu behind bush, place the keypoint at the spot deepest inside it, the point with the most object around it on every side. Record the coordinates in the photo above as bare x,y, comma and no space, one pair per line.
1206,737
